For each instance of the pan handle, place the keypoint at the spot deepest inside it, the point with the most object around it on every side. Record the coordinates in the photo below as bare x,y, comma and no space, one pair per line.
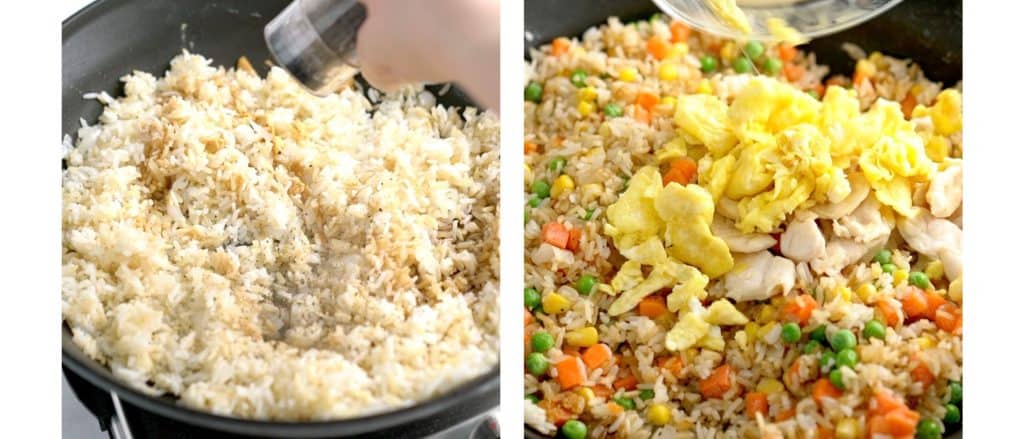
118,423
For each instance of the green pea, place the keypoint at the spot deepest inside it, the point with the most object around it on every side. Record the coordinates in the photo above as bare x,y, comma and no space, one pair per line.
557,164
889,268
536,364
574,429
754,49
646,394
541,188
956,392
626,403
952,414
534,91
535,201
533,398
579,78
874,328
928,429
790,332
613,110
542,341
742,65
526,217
812,346
843,339
847,357
884,256
772,67
656,17
819,335
586,284
531,298
919,279
708,63
814,94
589,215
836,377
827,361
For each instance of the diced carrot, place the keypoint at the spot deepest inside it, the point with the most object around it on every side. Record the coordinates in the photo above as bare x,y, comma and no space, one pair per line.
820,89
757,402
934,301
615,408
602,391
640,114
646,100
529,147
560,46
799,308
859,78
793,72
570,372
627,382
921,374
825,433
652,306
949,318
888,312
785,414
556,234
793,374
574,239
786,52
658,47
907,105
682,171
835,80
716,384
671,363
527,345
823,388
680,32
914,303
596,355
884,401
528,318
902,421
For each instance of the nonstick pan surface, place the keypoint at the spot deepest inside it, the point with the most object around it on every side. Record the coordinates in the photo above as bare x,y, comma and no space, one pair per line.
109,39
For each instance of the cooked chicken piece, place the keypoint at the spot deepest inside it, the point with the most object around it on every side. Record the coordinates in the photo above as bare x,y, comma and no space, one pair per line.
946,191
841,253
738,241
867,224
859,190
758,276
934,237
802,241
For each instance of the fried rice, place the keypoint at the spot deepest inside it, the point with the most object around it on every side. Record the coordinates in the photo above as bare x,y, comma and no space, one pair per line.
591,126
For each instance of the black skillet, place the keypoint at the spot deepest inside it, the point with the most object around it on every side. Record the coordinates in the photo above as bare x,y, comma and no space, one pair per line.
927,31
111,38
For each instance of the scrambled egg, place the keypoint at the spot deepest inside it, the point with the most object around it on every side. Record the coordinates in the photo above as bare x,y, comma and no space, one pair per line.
775,149
730,13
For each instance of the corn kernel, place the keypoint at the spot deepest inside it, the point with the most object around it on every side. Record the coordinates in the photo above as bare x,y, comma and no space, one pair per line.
751,330
728,51
585,108
899,276
555,303
587,393
704,87
844,293
668,103
528,173
679,50
867,293
763,331
926,342
866,68
769,386
767,314
934,269
562,184
848,428
582,337
586,94
628,74
659,414
956,290
684,425
668,71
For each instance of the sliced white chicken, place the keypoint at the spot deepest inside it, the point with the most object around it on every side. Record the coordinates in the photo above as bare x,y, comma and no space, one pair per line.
867,224
935,237
802,241
758,276
859,190
946,191
738,241
841,253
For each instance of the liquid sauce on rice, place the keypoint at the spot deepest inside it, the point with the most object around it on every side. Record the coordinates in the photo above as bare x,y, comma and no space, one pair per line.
713,252
263,253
